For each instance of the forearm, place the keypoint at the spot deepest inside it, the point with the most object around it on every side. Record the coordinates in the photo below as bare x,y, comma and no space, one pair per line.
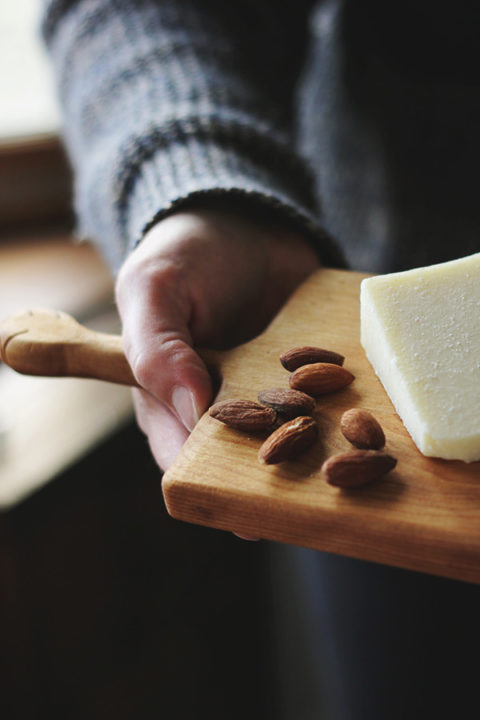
166,101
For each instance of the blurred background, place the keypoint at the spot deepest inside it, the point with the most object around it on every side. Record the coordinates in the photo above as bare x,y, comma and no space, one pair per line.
108,607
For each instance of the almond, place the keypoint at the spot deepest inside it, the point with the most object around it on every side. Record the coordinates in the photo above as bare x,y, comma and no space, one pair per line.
289,440
362,429
244,415
287,402
320,378
357,467
296,357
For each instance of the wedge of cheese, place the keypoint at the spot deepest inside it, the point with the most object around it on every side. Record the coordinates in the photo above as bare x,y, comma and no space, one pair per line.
421,332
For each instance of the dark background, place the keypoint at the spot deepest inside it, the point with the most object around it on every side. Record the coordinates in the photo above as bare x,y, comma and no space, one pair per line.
111,609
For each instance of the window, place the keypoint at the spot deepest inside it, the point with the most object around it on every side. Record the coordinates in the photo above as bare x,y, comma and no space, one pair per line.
34,174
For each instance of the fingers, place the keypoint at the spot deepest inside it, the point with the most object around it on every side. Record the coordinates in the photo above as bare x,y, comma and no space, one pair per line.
243,536
155,308
162,428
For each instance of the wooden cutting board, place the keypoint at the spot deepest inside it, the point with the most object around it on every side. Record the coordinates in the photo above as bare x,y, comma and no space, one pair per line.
424,515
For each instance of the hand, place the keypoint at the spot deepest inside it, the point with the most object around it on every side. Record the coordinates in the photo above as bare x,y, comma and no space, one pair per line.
203,278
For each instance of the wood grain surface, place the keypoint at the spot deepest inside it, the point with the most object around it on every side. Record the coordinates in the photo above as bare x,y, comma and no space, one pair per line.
424,515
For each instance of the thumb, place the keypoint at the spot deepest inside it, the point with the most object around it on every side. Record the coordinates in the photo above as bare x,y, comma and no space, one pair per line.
158,346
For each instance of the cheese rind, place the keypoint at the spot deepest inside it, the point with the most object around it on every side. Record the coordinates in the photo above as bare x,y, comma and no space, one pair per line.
420,330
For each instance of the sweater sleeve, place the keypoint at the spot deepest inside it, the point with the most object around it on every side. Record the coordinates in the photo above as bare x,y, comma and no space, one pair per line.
166,102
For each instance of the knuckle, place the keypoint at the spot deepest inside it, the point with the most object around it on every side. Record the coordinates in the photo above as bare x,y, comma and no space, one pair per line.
149,365
150,279
143,368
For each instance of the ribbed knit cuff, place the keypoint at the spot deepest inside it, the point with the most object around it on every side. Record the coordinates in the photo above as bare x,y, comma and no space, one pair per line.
194,172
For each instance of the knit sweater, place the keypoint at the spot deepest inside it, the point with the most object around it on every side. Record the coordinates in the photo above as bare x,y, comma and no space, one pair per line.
354,124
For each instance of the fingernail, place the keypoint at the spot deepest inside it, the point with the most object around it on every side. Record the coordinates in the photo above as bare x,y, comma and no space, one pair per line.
184,403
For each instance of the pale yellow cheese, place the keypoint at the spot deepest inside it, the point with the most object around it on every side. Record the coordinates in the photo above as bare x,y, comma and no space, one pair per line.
421,332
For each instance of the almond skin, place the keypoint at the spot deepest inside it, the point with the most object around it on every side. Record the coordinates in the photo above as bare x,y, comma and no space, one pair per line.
289,440
320,378
357,467
244,415
296,357
362,429
287,402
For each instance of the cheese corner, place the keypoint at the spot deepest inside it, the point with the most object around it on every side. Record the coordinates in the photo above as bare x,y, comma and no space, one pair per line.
420,330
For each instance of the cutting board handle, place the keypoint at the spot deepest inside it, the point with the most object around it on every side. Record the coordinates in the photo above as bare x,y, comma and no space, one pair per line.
51,343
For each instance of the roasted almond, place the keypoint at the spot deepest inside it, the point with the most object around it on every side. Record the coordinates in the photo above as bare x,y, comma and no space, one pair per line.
296,357
244,415
287,402
320,378
357,467
362,429
289,440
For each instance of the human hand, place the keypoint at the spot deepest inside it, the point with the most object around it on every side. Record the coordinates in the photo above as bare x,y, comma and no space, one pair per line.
198,278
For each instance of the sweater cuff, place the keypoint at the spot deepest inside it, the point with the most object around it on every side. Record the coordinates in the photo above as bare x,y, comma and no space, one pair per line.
195,175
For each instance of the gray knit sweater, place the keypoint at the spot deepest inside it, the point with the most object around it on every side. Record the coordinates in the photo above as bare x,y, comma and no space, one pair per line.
354,118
